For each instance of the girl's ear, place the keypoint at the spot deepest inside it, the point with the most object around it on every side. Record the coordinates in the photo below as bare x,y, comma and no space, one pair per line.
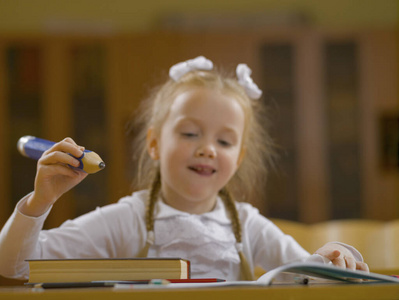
241,156
152,144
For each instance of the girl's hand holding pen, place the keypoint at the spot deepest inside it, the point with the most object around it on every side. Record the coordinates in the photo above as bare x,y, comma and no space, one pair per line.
54,176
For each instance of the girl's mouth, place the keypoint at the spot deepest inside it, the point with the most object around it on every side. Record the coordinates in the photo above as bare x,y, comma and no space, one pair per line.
203,170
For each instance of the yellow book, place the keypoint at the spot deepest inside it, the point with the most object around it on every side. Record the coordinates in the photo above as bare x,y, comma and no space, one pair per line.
86,270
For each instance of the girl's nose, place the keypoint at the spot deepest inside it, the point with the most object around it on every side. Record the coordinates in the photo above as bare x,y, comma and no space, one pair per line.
207,151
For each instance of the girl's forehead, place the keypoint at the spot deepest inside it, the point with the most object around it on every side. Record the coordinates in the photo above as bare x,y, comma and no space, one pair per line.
199,99
209,106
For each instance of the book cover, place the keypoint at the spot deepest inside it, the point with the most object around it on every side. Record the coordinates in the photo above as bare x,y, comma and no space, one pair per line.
86,270
326,272
126,283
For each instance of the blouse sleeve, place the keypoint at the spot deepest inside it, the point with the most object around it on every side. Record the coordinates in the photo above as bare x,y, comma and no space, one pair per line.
271,248
17,242
115,230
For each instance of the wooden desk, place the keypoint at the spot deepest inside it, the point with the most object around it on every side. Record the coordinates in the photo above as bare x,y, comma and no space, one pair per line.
316,292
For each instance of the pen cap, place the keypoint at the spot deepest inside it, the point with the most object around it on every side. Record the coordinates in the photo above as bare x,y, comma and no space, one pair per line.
33,147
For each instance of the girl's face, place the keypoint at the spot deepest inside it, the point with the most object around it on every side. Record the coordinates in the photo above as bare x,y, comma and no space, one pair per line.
199,148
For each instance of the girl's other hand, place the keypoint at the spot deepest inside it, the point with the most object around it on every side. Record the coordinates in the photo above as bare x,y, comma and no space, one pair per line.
54,176
341,257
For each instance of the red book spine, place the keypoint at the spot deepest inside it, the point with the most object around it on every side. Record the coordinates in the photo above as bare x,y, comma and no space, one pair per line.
196,280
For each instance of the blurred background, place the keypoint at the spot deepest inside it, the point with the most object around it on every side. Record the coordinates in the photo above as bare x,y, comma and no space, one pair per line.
328,69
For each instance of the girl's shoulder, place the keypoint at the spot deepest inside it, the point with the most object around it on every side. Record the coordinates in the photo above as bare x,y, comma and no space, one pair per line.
137,200
246,207
128,207
249,213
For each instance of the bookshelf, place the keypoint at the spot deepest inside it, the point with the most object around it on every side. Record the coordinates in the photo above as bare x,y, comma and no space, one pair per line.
342,128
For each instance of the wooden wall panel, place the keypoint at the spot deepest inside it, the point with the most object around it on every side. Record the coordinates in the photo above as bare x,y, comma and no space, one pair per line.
6,206
379,89
57,112
312,169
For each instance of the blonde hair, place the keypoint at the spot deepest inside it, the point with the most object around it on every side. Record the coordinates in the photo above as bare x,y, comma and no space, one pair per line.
246,182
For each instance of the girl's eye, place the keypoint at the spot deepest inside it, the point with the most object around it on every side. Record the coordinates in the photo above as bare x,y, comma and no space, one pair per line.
189,134
224,143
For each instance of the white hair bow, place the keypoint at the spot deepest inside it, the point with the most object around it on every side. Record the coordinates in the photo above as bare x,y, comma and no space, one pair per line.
244,79
198,63
202,63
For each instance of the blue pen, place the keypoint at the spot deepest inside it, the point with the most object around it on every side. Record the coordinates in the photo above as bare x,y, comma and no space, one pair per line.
33,147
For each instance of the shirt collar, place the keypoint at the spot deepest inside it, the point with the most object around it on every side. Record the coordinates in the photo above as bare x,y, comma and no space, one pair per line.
218,214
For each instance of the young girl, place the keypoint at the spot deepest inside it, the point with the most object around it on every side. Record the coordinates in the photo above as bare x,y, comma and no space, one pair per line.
201,147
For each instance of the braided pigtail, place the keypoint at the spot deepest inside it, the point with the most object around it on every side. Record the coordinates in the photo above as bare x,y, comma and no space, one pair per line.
149,217
246,273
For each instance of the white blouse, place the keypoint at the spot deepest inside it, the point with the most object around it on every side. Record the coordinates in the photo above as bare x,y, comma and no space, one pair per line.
118,231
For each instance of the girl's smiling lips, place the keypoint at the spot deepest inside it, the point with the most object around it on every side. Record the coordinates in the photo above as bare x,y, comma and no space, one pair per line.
202,169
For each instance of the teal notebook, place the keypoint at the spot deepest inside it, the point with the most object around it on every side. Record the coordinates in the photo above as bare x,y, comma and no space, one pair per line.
319,270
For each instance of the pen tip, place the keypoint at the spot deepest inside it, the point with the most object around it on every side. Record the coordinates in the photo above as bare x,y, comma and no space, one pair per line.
101,165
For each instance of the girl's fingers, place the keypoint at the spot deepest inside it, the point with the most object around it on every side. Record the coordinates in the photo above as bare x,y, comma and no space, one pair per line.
64,170
362,266
339,262
331,255
69,140
67,146
350,263
335,254
59,158
342,258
